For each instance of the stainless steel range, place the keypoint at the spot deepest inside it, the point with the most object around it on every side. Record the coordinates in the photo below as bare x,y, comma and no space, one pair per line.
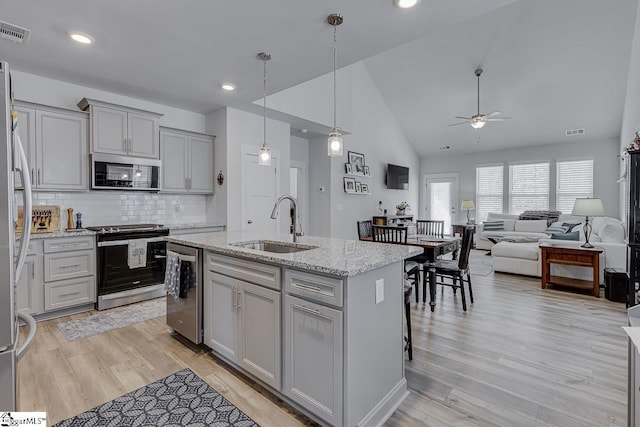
131,263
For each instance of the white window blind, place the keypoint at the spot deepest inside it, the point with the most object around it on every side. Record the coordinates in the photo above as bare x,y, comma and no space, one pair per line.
489,190
528,187
573,179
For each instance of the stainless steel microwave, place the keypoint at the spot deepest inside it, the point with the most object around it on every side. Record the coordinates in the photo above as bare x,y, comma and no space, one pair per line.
110,172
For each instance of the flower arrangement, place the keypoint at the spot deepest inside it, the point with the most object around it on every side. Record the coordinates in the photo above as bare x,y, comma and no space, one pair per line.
402,206
635,145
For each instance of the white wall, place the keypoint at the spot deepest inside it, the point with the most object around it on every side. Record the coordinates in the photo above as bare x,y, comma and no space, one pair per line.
604,154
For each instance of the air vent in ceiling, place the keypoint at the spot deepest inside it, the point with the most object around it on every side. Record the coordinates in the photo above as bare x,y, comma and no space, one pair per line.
573,132
14,33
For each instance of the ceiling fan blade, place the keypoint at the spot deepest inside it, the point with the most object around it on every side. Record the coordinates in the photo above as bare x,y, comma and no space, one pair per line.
463,118
498,119
493,113
456,124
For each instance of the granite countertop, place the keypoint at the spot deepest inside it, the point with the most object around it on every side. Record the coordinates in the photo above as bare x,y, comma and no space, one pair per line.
336,257
192,225
61,233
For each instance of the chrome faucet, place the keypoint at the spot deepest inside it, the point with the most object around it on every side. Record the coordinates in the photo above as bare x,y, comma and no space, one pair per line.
296,223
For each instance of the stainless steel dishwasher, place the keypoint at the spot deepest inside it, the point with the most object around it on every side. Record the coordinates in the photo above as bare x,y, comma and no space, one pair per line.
184,302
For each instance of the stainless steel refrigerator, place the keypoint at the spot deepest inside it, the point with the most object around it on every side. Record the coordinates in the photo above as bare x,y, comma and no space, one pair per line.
12,161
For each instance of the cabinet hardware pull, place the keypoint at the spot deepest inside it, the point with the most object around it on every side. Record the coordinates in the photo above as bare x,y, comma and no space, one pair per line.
69,266
308,287
31,174
71,245
233,298
33,270
38,176
305,308
238,305
69,294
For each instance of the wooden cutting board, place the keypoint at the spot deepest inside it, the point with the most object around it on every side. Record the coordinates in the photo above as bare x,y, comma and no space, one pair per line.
45,219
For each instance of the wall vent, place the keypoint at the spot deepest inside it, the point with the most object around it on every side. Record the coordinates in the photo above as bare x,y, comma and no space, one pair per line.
14,33
573,132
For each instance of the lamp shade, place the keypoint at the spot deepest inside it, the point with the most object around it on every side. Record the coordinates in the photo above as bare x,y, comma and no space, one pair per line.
588,207
467,205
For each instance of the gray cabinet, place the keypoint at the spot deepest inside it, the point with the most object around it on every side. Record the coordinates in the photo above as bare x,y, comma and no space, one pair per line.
313,357
195,230
242,322
187,161
55,143
121,130
29,289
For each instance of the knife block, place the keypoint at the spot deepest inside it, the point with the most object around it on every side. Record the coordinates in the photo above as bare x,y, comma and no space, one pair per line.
44,219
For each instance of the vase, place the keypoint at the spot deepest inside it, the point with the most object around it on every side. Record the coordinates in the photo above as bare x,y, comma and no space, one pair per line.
400,212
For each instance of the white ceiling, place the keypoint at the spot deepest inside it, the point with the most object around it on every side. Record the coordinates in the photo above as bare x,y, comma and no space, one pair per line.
550,64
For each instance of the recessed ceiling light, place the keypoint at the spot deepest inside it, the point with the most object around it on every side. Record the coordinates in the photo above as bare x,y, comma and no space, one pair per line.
79,37
228,86
405,4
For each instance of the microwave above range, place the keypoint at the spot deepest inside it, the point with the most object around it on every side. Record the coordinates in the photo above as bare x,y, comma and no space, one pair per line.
124,173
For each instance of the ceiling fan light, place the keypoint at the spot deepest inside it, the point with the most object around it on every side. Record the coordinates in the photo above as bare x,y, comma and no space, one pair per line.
334,144
478,124
405,4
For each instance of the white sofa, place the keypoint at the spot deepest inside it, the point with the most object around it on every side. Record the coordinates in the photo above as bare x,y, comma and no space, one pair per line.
524,258
514,228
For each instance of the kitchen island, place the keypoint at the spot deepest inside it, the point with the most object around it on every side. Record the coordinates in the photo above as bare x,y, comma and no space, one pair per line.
321,327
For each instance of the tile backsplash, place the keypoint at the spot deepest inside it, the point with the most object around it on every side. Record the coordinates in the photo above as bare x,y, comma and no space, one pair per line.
120,207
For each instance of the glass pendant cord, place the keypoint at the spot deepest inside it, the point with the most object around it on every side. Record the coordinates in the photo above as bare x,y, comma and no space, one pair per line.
264,102
335,54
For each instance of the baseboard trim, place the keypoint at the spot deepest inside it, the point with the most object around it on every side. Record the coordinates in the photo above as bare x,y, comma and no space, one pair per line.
386,407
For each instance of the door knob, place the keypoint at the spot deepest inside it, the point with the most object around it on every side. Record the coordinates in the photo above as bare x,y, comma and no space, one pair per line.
249,222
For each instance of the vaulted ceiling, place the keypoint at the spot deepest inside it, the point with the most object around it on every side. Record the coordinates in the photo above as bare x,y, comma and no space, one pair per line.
550,64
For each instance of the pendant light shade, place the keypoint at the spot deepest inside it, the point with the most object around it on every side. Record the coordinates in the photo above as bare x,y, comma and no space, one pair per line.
334,142
264,158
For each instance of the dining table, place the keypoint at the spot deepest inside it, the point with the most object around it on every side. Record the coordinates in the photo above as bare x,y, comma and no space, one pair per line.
433,247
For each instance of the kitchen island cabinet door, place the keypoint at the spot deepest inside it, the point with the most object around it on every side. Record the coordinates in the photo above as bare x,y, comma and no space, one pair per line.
313,357
220,318
259,333
201,164
173,153
61,151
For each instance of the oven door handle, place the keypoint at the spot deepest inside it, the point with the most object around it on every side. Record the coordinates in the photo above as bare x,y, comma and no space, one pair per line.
126,242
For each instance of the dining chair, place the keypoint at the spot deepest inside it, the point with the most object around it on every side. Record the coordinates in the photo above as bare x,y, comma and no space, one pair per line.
430,227
458,270
398,235
364,229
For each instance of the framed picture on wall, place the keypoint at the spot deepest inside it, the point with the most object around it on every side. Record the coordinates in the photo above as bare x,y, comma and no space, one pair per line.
356,160
349,184
365,188
365,171
358,187
347,168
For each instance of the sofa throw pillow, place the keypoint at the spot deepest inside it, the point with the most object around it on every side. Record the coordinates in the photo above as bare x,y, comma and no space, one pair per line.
493,225
557,229
574,235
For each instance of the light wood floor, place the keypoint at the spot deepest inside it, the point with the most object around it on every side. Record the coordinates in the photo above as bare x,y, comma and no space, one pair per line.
520,356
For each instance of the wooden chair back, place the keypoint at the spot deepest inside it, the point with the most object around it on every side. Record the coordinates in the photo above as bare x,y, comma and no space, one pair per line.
364,229
465,249
389,234
430,227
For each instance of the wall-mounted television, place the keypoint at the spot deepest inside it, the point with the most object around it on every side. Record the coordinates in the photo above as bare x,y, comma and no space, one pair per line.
397,177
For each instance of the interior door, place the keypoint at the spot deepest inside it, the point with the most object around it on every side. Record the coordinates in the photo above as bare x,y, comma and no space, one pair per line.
442,198
259,194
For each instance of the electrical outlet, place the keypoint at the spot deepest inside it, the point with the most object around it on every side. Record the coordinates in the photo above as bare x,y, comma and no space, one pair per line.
177,208
339,207
379,291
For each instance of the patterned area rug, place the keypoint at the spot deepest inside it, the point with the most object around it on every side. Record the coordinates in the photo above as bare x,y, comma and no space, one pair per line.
181,399
479,263
113,319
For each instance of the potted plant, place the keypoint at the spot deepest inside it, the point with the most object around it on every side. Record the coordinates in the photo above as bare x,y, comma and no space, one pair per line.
401,207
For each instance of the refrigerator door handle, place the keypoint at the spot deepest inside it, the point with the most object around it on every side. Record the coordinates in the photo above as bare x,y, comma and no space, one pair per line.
27,206
31,324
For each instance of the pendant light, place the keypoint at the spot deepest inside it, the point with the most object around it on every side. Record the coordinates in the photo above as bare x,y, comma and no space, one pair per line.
264,158
334,142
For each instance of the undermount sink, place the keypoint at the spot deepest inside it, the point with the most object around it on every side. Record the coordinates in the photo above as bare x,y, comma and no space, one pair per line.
273,246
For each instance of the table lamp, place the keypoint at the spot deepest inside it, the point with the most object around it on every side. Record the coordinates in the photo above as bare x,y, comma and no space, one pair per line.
467,205
587,207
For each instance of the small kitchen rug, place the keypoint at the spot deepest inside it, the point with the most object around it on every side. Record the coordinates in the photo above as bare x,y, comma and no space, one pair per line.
116,318
181,399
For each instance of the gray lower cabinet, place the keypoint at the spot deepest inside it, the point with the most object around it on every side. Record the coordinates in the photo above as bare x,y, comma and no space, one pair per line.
313,357
242,324
29,289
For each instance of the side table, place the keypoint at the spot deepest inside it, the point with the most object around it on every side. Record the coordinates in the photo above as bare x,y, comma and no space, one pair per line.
583,257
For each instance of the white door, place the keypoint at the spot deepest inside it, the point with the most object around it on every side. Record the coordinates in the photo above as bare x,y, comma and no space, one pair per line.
260,191
298,189
441,195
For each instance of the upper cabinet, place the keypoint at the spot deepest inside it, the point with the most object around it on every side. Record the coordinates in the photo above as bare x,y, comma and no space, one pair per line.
121,130
187,161
55,144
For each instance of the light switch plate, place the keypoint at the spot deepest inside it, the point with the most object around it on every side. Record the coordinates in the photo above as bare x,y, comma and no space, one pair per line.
379,291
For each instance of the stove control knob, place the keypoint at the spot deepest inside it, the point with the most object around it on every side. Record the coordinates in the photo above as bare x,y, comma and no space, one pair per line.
102,230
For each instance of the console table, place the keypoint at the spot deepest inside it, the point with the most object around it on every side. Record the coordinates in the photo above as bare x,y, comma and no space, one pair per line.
391,219
582,257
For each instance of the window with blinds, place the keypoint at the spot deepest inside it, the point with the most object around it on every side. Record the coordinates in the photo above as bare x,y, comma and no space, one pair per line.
573,179
528,187
489,190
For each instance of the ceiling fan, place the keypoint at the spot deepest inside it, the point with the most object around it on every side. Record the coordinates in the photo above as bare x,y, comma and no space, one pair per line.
477,121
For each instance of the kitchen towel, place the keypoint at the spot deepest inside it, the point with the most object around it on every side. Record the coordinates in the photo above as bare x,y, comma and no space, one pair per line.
137,253
172,275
